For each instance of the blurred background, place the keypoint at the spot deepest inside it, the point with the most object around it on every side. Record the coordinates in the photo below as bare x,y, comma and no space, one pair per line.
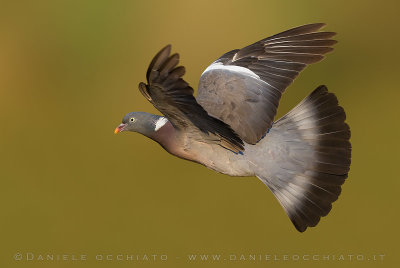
69,71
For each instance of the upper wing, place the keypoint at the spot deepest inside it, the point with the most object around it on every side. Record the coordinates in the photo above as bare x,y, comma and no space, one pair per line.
243,87
173,97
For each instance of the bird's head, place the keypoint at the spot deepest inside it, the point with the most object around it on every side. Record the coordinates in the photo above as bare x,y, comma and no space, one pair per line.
140,122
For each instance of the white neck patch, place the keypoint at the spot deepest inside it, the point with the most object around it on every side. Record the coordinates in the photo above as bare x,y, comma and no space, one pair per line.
160,123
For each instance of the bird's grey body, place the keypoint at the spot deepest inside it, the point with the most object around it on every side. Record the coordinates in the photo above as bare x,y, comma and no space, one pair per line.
190,146
303,157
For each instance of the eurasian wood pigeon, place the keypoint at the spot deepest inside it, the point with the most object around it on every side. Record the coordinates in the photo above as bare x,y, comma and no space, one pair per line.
303,157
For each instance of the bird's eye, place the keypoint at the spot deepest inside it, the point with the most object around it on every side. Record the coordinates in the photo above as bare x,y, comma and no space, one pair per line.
132,119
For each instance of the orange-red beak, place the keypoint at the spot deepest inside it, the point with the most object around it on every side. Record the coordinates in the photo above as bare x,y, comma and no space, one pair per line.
119,129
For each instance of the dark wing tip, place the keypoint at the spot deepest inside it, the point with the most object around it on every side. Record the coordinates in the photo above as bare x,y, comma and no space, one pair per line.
317,25
144,91
303,29
158,60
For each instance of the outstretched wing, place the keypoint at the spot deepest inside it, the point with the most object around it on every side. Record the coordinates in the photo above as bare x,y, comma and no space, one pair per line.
243,87
173,97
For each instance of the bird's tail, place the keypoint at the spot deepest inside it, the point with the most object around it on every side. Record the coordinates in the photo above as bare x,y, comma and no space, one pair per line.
310,152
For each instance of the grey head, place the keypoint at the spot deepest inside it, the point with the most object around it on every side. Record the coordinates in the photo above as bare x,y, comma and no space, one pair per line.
141,122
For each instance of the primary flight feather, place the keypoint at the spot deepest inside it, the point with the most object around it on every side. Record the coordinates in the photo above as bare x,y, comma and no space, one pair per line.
303,158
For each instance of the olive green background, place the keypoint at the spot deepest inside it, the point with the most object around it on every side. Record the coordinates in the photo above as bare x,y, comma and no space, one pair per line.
69,72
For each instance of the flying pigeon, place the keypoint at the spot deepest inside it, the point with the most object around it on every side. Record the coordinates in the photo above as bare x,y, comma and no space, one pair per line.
303,157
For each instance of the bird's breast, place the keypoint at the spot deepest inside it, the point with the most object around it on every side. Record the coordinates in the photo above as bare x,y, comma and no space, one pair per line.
211,155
